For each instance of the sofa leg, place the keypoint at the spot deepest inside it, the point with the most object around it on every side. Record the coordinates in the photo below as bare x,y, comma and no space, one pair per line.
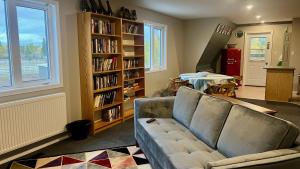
137,144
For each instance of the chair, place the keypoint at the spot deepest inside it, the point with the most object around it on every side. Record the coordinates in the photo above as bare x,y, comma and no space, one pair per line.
227,90
176,83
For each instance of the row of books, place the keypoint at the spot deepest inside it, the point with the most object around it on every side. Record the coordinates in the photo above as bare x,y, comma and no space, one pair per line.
105,64
131,74
103,27
111,114
104,45
131,63
104,99
130,28
105,81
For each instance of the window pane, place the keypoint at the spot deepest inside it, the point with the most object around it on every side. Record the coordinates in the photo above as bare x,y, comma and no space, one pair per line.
257,54
33,44
5,75
157,42
258,43
147,32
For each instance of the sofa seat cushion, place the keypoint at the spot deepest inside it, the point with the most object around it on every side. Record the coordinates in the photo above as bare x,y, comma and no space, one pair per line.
185,104
248,132
209,118
175,145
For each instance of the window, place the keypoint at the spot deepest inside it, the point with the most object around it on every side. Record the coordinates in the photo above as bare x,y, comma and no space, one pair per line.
155,47
29,55
258,47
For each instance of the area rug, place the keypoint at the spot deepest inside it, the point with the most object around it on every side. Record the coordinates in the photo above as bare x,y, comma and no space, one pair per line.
118,158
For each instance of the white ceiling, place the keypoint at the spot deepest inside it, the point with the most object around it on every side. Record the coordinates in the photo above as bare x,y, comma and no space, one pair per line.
235,10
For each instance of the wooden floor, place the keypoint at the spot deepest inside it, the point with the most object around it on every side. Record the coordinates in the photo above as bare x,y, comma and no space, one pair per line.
251,92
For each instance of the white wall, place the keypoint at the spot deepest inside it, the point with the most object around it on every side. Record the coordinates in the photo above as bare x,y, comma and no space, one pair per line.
278,37
70,56
197,33
295,51
157,81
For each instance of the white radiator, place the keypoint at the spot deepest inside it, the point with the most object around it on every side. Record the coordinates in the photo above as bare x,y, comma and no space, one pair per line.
27,121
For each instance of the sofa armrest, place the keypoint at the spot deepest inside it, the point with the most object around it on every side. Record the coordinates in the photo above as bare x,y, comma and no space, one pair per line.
279,159
159,107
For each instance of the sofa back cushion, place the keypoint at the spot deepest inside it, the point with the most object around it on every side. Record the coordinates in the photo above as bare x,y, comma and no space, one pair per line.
247,132
185,103
209,118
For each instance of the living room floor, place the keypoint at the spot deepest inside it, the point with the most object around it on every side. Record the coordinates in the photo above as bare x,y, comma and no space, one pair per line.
251,92
118,136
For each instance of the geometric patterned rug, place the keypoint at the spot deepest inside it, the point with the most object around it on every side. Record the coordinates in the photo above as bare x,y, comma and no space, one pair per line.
117,158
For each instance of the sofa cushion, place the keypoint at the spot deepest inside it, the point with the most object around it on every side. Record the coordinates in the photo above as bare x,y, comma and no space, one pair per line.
174,145
209,118
247,132
185,103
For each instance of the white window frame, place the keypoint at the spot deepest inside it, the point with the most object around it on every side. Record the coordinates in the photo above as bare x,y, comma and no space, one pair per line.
55,80
164,30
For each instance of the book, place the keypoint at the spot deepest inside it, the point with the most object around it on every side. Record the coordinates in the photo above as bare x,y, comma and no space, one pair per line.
104,99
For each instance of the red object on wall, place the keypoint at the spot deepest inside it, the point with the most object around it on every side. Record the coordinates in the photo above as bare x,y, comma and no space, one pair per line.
231,62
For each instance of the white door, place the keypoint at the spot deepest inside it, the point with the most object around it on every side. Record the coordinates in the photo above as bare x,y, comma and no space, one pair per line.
257,51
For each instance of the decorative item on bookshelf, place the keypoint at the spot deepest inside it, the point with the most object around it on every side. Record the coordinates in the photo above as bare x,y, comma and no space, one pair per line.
101,9
109,10
127,14
130,28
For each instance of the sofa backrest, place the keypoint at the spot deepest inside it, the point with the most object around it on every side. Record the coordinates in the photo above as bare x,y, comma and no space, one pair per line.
247,132
185,103
209,118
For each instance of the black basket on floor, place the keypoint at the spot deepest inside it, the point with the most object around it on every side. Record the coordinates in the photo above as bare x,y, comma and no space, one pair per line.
79,129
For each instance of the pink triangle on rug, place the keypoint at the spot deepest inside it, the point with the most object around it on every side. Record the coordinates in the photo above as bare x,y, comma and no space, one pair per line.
68,160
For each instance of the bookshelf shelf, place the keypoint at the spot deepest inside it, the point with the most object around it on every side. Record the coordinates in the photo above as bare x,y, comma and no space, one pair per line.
132,34
133,45
133,68
101,47
107,89
108,106
132,79
131,21
99,124
106,35
104,54
136,56
107,72
133,90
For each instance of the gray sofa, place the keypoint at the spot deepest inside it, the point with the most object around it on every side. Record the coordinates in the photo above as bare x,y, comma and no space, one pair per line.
197,131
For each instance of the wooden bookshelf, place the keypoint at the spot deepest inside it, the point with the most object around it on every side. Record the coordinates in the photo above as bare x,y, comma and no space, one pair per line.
133,52
102,57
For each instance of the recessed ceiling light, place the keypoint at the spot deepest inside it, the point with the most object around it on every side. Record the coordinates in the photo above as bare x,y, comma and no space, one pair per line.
258,16
262,21
249,7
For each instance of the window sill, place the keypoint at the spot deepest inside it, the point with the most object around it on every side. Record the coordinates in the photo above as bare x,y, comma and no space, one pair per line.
31,89
156,71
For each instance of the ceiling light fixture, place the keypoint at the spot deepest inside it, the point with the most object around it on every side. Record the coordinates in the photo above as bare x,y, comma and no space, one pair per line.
249,7
258,16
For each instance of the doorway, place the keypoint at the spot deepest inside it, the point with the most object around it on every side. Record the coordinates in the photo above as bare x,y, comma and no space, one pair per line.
257,55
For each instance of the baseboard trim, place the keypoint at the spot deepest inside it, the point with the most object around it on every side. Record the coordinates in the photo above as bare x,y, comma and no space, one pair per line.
33,149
